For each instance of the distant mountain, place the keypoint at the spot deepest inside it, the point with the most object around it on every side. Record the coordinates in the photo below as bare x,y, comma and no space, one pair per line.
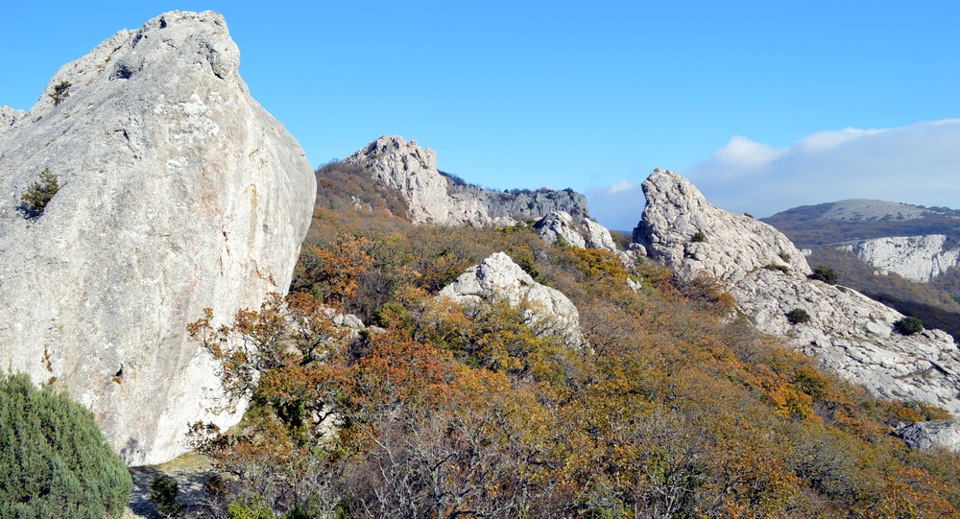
848,220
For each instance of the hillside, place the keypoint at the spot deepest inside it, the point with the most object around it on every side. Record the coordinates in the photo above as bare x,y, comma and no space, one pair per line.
832,231
849,220
446,409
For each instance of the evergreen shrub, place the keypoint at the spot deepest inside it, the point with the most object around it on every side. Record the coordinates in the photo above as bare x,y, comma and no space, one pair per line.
54,461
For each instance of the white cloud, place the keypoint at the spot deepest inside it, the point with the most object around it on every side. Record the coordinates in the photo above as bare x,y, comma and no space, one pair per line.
823,141
623,185
618,207
917,164
742,153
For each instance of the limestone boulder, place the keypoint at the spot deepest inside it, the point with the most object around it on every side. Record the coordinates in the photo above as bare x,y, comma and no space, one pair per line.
499,278
585,233
927,435
179,193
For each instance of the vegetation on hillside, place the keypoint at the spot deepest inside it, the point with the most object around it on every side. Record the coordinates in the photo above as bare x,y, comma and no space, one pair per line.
936,306
54,461
937,303
675,410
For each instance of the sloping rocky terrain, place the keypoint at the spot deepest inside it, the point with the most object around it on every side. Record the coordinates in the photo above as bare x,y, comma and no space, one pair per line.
848,332
917,258
902,255
178,192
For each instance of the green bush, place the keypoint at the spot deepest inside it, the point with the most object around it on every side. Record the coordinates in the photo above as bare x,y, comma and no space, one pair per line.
38,195
54,461
798,316
699,237
825,274
163,493
251,508
908,326
60,92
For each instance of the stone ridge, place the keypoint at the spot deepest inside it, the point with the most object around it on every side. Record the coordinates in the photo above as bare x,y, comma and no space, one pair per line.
917,258
433,198
498,277
179,193
847,332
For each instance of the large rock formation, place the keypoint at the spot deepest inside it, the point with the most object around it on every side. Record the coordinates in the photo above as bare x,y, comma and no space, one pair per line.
583,234
679,228
179,192
848,332
441,199
499,278
917,258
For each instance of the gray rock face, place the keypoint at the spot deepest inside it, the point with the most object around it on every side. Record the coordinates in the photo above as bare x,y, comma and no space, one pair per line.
917,258
498,277
848,332
8,117
584,234
179,193
926,435
436,198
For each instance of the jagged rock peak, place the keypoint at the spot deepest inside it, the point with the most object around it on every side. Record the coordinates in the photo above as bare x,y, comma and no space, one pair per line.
498,277
179,192
434,197
412,170
848,332
679,227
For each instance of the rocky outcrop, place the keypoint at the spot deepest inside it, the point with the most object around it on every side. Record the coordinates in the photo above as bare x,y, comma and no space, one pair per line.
8,117
848,332
926,435
917,258
437,198
679,228
583,234
179,192
499,278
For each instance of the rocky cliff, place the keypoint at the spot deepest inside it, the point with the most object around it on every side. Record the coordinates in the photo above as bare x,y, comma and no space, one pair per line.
178,192
437,198
849,333
917,258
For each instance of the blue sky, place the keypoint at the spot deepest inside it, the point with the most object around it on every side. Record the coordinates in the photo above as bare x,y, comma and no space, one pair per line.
764,105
